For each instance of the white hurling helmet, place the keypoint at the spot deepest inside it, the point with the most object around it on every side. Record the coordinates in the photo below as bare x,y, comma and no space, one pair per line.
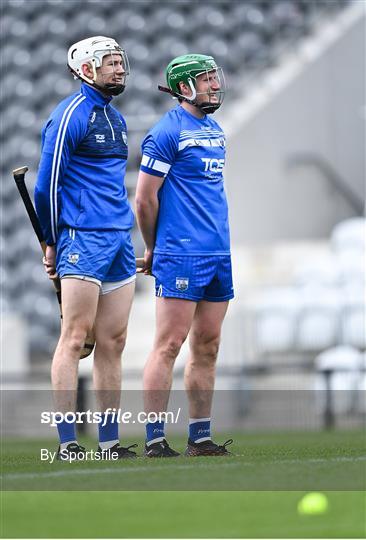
92,50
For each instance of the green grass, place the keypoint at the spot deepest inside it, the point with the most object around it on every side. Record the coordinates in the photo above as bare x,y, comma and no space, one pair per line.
272,462
252,494
178,515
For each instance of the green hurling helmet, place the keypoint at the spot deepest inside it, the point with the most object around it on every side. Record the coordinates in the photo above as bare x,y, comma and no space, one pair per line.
185,69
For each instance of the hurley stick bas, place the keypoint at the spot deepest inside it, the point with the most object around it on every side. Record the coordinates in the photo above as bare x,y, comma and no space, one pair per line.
19,177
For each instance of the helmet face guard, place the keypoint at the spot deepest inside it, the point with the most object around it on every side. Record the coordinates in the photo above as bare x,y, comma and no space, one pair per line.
92,51
114,89
214,97
188,69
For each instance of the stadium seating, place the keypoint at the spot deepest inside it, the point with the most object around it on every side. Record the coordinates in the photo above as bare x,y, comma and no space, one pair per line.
276,314
349,236
318,321
346,363
245,37
323,307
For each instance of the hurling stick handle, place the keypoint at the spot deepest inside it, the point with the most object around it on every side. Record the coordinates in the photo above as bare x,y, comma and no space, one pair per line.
19,177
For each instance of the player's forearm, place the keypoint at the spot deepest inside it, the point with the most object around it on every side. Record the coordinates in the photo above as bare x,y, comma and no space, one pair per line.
42,199
147,215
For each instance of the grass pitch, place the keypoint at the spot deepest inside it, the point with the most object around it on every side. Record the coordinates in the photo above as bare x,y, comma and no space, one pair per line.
252,494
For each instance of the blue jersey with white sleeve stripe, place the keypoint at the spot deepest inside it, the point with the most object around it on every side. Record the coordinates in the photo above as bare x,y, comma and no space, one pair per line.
81,173
189,153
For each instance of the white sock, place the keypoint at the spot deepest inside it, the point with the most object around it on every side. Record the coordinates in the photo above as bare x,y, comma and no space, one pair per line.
158,439
64,445
108,444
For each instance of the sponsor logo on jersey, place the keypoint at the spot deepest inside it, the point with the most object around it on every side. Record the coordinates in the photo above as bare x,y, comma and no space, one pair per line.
100,138
213,164
181,283
93,117
73,258
124,137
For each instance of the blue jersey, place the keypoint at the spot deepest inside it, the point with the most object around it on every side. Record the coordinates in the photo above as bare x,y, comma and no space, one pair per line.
190,154
81,173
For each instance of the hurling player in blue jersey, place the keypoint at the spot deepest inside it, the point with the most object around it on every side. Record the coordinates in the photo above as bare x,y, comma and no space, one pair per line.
82,204
182,213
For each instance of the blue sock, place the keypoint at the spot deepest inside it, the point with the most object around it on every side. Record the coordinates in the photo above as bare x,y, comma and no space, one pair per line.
66,432
108,431
199,429
154,432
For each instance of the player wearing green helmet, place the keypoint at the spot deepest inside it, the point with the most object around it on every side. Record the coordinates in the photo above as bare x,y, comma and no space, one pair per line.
182,213
196,79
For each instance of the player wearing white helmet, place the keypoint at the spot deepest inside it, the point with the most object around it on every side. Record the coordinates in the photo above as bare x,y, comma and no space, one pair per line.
86,218
100,62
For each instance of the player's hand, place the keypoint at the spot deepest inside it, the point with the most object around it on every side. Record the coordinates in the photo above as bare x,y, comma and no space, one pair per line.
145,267
139,265
49,262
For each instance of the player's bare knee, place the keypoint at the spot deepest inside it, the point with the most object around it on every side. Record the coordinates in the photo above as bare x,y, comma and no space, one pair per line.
205,347
75,342
74,335
120,342
170,348
112,345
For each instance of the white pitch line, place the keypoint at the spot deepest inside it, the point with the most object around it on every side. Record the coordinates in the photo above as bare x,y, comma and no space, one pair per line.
118,470
108,470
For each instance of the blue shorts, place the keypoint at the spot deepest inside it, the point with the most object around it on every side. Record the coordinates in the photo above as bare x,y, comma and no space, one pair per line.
104,255
193,277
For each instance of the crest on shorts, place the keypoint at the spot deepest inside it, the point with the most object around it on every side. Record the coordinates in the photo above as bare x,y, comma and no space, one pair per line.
73,258
181,283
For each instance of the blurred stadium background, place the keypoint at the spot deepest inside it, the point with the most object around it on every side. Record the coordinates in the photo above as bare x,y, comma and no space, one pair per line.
294,116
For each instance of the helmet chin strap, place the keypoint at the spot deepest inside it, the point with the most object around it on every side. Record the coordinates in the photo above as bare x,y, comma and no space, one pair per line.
111,89
115,89
208,108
